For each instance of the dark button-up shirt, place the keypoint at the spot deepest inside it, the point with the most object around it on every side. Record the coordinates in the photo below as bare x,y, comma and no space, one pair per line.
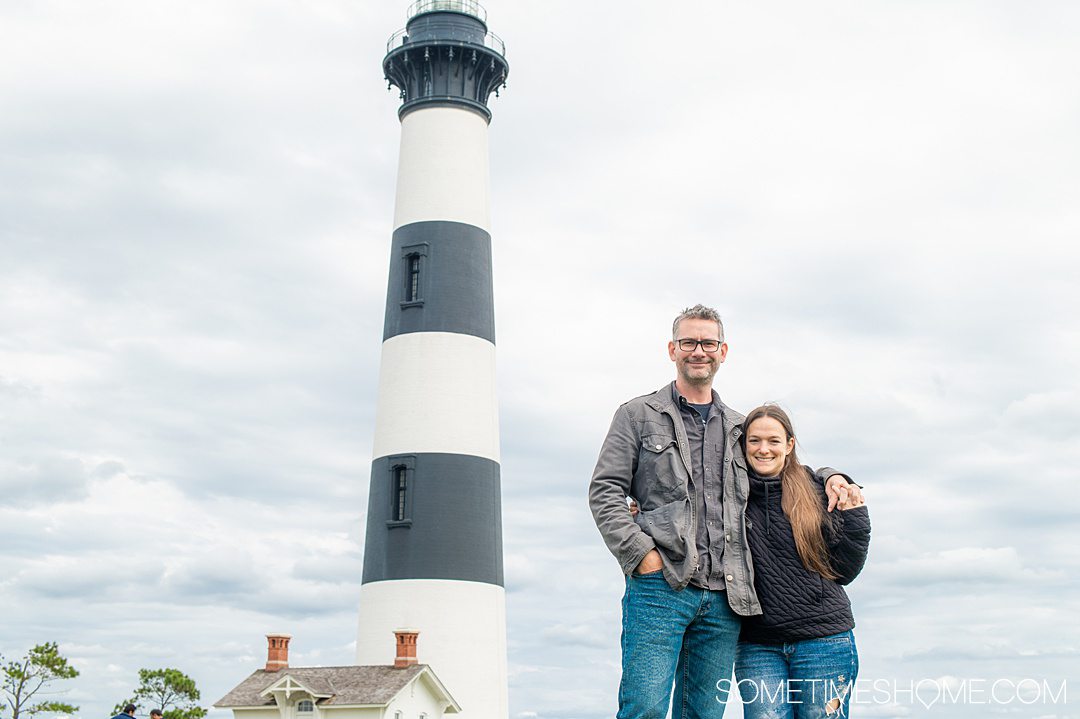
706,438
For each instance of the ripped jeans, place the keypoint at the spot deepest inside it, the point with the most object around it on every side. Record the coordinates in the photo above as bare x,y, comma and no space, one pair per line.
808,679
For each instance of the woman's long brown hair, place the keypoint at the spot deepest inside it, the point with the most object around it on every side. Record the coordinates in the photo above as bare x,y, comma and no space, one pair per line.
799,498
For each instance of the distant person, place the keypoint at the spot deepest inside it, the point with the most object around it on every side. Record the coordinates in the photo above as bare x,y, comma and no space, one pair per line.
688,573
156,714
797,659
128,713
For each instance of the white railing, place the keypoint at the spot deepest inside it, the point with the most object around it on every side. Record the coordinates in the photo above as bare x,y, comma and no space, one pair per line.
401,37
469,7
396,40
495,42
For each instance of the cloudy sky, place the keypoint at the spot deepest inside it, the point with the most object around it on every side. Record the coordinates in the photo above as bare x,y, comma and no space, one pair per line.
195,210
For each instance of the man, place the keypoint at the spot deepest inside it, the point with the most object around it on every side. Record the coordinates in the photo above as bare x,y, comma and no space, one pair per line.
676,452
128,713
156,714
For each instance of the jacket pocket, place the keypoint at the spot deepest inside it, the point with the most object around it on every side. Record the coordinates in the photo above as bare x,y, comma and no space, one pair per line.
657,442
668,525
662,469
820,587
740,480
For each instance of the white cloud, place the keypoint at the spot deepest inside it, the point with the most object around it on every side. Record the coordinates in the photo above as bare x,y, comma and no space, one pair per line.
963,565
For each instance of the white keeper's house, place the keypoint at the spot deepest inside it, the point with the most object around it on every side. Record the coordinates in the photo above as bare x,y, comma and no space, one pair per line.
405,689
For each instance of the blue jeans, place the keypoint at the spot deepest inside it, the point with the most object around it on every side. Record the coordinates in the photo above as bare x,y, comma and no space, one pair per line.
808,679
686,638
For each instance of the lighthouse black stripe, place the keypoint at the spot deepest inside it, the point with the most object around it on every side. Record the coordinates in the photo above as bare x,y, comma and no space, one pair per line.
452,525
453,292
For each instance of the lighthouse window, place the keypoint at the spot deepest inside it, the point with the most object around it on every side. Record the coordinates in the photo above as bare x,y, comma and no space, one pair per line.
402,478
412,280
401,488
413,259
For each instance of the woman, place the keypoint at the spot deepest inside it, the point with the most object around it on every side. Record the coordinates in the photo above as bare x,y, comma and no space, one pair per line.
797,660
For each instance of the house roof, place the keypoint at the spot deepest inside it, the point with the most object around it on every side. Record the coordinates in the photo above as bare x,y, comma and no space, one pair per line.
344,685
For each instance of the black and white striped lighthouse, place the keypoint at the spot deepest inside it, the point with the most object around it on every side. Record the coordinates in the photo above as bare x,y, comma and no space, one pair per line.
433,553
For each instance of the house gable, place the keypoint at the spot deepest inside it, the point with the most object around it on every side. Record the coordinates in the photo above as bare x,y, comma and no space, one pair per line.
432,696
278,695
289,685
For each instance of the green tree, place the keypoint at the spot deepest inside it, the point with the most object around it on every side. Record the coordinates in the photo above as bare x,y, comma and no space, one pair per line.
169,690
25,679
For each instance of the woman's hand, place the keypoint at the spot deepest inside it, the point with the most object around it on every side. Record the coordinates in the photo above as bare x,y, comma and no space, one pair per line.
841,494
853,502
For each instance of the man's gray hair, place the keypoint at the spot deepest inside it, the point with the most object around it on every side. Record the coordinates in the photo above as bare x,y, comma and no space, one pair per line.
697,312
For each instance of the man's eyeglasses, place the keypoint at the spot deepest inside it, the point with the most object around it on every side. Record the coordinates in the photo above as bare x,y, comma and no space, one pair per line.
688,345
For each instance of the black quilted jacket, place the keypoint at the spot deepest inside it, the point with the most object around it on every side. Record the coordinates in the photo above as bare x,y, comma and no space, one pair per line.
797,603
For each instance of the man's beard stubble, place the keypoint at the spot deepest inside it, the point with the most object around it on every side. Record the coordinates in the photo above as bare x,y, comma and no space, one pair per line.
684,372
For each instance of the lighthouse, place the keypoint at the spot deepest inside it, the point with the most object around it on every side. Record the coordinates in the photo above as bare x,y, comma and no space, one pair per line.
433,549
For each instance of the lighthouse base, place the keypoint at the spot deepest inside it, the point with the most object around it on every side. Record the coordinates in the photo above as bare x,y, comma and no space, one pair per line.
462,629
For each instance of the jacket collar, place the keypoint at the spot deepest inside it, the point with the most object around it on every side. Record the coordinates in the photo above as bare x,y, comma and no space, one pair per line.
661,400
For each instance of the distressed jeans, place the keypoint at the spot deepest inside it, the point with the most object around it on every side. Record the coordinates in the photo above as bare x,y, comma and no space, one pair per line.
684,638
808,679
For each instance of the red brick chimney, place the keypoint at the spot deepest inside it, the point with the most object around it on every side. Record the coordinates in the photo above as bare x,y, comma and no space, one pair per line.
277,651
406,648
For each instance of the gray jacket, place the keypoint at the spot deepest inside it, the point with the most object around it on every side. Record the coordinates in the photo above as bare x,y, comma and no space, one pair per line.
646,455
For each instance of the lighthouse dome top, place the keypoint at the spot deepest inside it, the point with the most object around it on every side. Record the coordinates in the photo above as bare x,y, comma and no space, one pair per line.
445,55
442,21
465,7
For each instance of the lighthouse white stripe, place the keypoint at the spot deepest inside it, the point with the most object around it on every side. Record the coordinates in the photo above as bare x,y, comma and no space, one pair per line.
443,168
437,394
462,629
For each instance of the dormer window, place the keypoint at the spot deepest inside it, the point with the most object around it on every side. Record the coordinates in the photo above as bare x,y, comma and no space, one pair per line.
305,706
